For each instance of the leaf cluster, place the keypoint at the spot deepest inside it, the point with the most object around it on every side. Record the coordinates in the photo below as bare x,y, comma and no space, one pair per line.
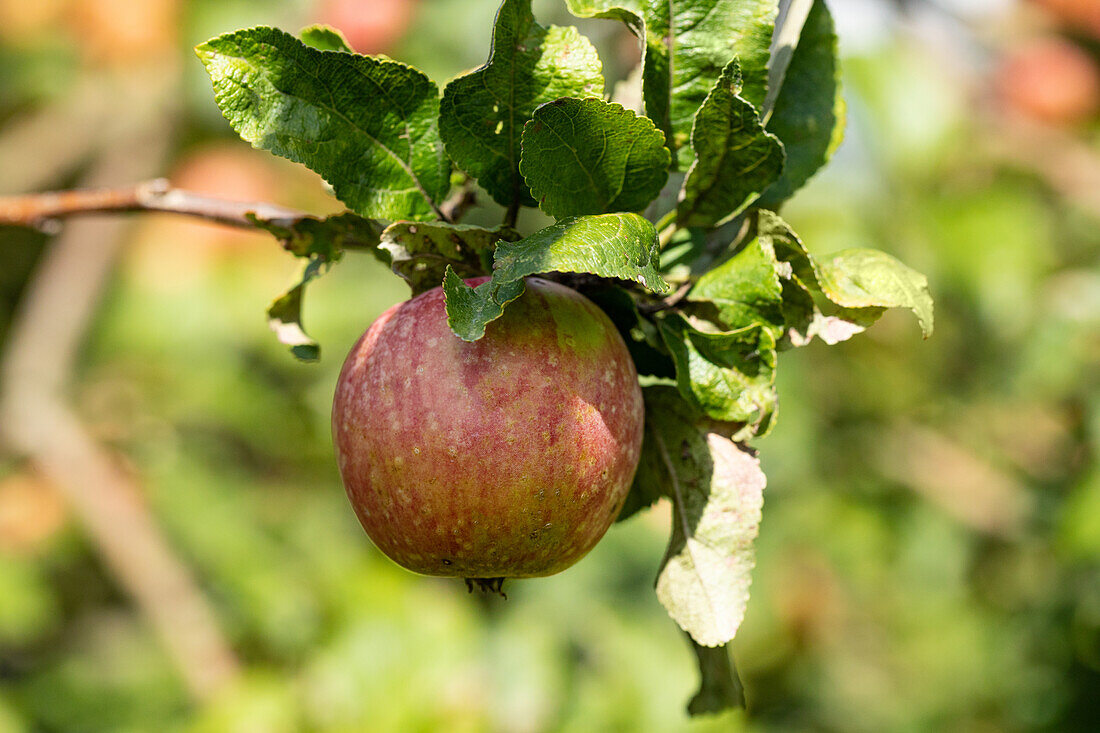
667,219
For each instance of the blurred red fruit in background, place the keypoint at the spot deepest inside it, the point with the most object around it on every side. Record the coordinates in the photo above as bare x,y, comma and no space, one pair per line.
371,26
1050,80
1079,15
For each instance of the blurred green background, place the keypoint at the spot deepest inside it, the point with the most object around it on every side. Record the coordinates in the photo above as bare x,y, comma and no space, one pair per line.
929,558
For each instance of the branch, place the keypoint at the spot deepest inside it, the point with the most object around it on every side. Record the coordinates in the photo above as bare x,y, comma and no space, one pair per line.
459,203
667,302
37,210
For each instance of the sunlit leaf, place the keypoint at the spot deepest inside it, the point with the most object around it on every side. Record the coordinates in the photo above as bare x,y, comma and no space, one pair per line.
735,159
324,38
728,375
483,112
367,125
587,156
687,43
620,246
716,489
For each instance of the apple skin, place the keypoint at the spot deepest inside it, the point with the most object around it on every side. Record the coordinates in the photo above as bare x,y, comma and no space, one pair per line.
508,457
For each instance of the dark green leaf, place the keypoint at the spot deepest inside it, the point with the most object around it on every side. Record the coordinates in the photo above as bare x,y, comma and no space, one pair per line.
326,238
483,112
720,686
471,309
716,489
809,110
745,289
588,156
641,336
788,27
687,43
665,411
728,375
284,315
620,246
367,125
735,159
420,252
324,38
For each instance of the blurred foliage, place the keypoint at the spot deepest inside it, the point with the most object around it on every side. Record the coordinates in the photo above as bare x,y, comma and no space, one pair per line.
929,557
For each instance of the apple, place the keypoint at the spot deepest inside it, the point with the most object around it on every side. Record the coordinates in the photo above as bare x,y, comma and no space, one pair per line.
507,457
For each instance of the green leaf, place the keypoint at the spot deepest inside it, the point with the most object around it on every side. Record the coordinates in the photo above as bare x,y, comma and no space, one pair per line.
687,43
642,340
588,156
483,112
727,375
788,27
322,242
284,315
745,289
420,252
770,228
809,109
868,279
716,489
367,125
862,282
327,238
735,159
664,410
471,309
324,38
720,686
620,246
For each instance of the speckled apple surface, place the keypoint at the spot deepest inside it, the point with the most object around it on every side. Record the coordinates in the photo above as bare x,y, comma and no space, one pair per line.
506,457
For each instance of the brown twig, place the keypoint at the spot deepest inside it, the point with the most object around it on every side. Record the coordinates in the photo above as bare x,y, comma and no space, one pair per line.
459,203
155,195
669,301
511,215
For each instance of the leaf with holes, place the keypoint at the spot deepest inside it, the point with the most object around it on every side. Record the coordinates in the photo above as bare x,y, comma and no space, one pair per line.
421,252
284,315
310,236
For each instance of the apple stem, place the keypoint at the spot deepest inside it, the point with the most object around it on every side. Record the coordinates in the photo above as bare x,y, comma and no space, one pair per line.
487,585
39,210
